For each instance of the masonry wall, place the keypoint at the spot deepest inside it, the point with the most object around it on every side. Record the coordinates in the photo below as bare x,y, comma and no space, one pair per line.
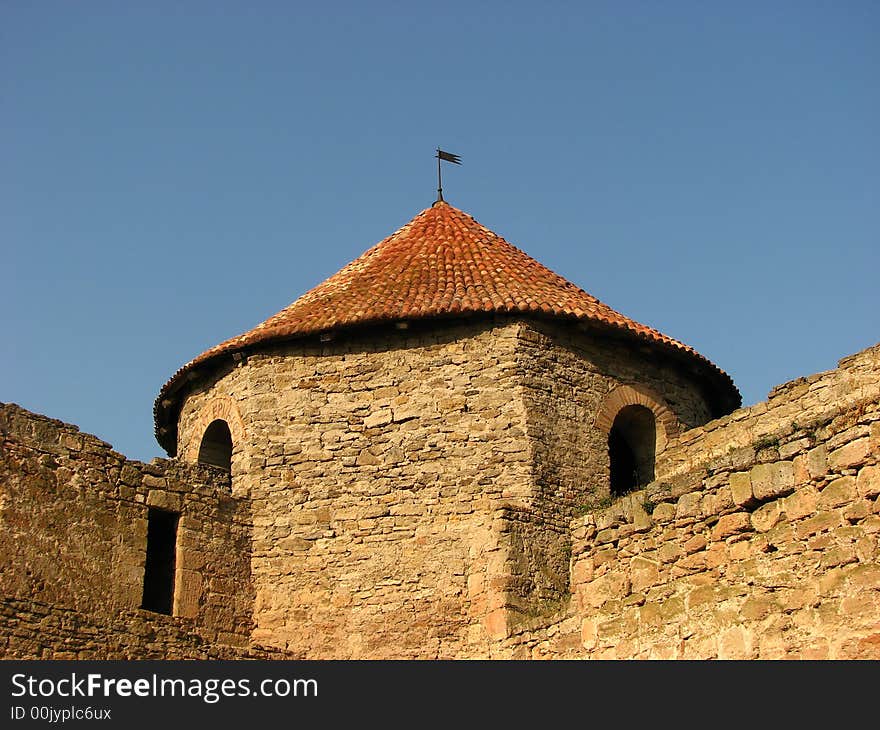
759,539
412,490
375,466
73,527
566,374
387,520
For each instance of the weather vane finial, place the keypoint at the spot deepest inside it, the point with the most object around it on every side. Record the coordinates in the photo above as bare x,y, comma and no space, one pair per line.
449,157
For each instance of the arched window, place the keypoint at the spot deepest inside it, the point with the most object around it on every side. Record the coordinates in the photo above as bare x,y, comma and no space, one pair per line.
216,448
631,448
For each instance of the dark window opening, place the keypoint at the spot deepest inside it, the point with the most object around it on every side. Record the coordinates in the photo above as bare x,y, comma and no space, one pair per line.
159,567
631,446
216,448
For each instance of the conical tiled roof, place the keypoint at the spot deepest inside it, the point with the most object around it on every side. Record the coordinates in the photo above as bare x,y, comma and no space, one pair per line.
441,263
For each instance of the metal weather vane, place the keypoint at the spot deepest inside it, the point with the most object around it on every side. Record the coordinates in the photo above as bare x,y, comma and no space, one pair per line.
449,157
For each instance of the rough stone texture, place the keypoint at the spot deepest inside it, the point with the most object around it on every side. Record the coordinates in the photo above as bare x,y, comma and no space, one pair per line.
412,491
36,630
376,467
773,555
73,515
444,493
564,378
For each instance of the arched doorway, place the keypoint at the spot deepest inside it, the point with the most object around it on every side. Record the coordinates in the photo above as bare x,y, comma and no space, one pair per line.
631,448
216,447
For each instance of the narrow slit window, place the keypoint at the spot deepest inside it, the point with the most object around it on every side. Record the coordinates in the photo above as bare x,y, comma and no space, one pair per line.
160,563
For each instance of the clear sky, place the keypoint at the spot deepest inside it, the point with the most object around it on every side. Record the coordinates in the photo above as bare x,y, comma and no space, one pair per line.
172,173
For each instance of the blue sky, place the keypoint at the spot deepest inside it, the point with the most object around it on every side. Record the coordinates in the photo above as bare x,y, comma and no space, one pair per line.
173,173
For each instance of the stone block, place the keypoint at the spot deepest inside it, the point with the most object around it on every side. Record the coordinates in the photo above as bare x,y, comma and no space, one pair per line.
294,544
818,523
792,448
700,596
603,556
154,482
191,559
716,555
860,605
651,614
741,488
688,505
868,481
740,458
139,529
610,586
684,483
837,556
130,476
379,418
853,454
582,572
757,608
864,576
644,574
801,503
736,643
663,512
857,511
695,544
801,469
589,633
741,550
730,525
718,502
188,593
367,458
817,462
164,500
496,624
772,480
690,563
669,552
840,492
767,516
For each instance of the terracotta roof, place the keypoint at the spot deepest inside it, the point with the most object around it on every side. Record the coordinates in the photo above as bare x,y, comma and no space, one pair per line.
441,263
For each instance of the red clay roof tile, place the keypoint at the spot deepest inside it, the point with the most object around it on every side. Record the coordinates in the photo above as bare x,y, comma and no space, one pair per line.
442,262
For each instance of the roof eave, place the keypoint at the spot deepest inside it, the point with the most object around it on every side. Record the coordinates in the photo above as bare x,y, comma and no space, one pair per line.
723,393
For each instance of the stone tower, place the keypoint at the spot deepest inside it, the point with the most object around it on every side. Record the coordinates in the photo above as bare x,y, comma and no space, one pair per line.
415,434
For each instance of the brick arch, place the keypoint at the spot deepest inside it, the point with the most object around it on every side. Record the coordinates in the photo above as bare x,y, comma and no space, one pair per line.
638,395
219,407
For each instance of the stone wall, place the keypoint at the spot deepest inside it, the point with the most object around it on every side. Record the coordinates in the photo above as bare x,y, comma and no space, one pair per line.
73,527
396,497
412,489
759,539
566,375
37,630
374,465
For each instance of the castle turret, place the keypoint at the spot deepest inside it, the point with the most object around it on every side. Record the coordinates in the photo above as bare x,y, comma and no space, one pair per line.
416,432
